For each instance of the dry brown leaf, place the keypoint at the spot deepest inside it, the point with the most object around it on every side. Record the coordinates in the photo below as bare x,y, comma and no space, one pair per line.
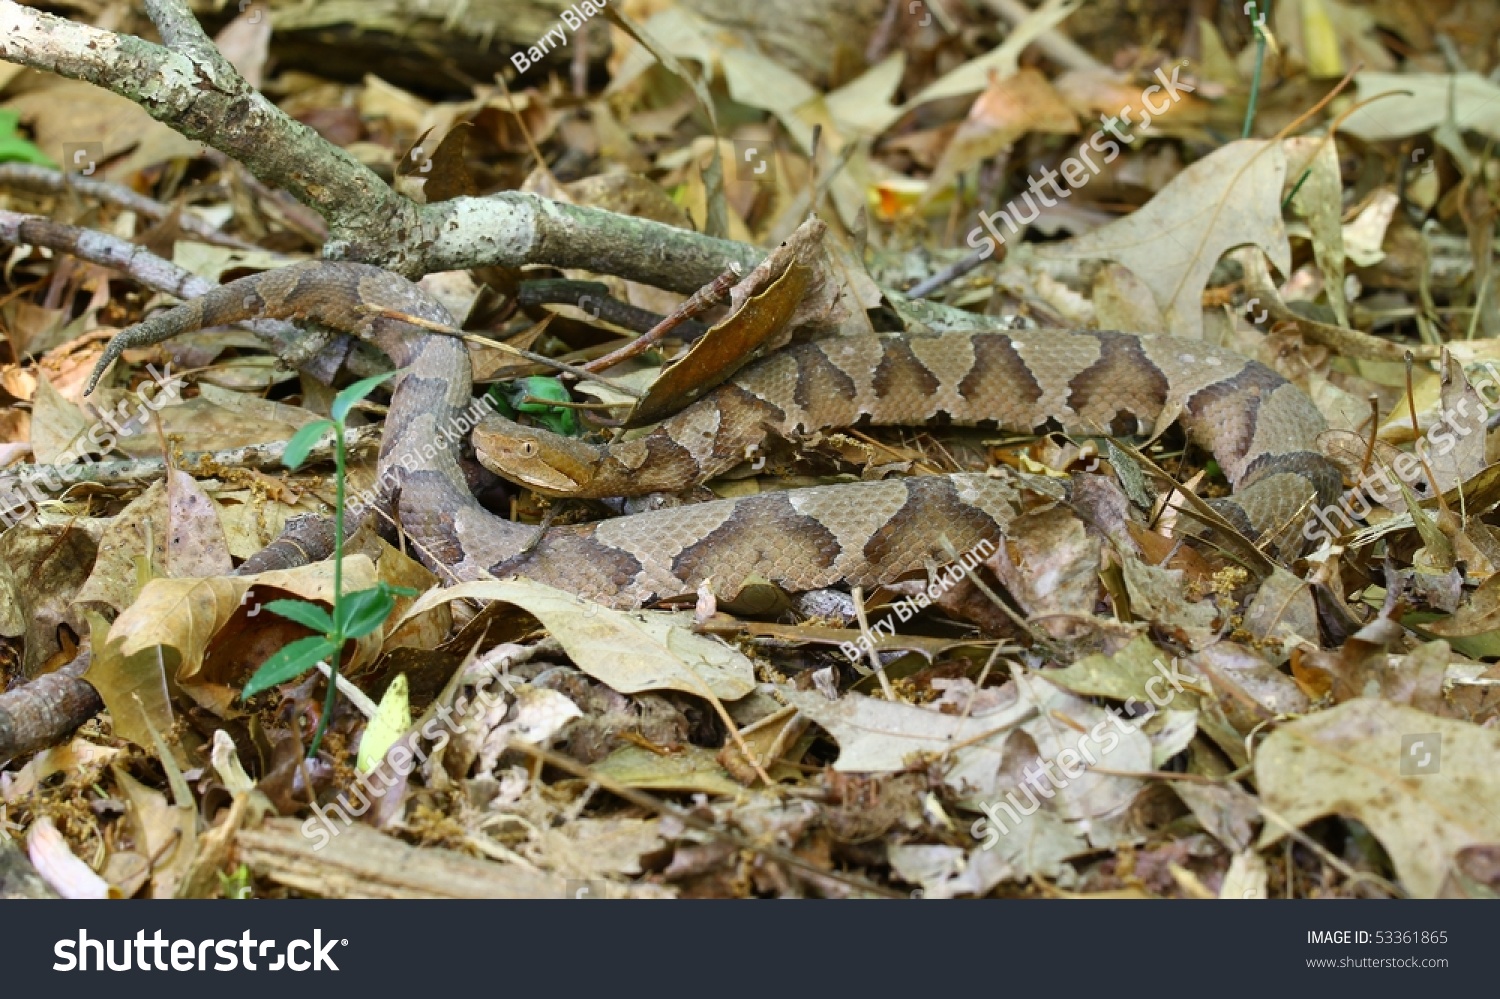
1420,102
1050,564
246,43
76,755
630,651
1104,92
165,832
1123,302
688,770
972,76
1313,166
195,539
57,426
192,617
199,424
765,308
70,116
1478,615
1125,675
1283,611
133,688
1159,595
879,736
33,329
42,568
1247,692
134,542
1426,787
1230,198
1037,849
1008,109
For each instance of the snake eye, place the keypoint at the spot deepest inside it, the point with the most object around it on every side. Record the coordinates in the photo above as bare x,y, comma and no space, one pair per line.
528,449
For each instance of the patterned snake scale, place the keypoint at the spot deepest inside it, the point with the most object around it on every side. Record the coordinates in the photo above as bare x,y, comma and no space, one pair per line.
1261,429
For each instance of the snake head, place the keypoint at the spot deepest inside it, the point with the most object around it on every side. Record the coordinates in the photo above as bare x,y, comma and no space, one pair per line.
548,463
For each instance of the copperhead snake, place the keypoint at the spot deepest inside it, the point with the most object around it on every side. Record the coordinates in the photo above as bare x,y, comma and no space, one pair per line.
1261,428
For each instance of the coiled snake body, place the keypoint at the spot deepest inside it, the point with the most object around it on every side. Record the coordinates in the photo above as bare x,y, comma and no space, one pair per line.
1261,429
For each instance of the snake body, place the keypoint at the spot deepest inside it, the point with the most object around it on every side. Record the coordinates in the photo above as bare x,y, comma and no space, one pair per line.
1261,429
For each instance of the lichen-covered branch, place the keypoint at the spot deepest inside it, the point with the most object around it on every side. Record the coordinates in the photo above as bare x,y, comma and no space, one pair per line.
204,99
200,95
514,229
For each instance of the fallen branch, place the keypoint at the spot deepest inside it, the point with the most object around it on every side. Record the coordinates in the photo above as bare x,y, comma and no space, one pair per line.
44,180
319,357
190,87
197,463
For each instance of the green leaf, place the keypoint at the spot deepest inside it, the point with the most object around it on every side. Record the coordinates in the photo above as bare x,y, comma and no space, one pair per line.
361,612
14,148
301,444
307,614
345,400
560,420
291,662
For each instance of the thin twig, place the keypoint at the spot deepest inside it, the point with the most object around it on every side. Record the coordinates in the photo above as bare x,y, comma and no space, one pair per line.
199,463
534,358
161,275
700,301
1364,469
864,629
594,298
44,180
537,400
948,274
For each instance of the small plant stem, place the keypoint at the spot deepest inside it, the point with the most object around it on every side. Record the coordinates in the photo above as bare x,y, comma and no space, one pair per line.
331,697
1260,61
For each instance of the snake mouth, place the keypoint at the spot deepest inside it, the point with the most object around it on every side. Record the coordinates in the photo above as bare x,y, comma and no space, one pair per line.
539,478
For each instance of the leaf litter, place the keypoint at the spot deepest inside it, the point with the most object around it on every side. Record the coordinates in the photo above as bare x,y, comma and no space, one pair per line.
1104,709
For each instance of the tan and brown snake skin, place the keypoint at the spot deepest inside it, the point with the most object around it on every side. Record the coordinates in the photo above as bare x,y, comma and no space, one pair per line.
1261,429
